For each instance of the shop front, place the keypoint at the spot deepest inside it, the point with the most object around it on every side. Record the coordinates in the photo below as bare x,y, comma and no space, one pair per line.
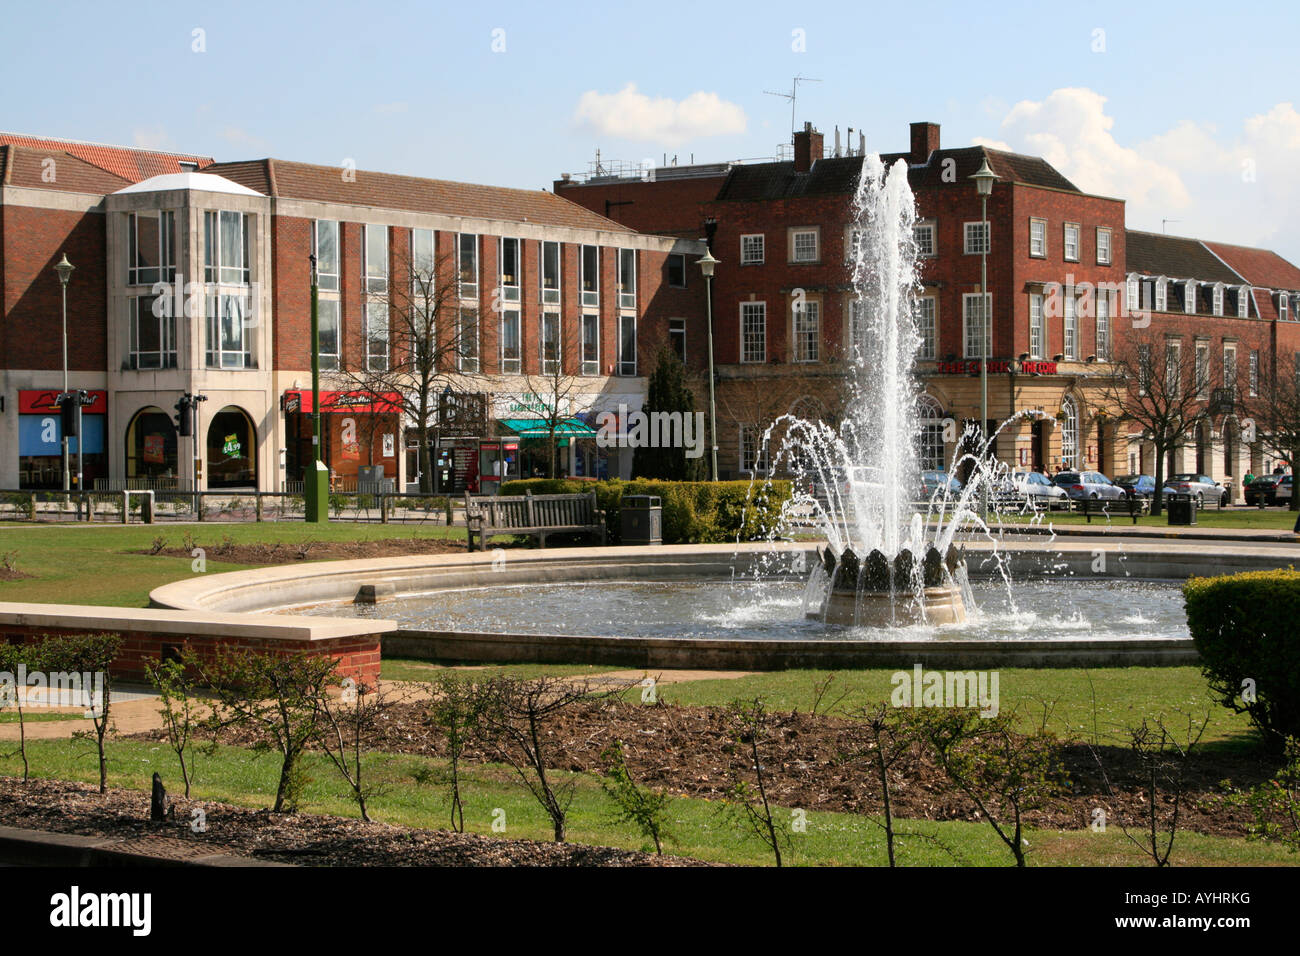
574,451
40,440
358,435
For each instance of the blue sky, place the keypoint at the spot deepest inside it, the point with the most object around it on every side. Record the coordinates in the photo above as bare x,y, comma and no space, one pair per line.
1185,109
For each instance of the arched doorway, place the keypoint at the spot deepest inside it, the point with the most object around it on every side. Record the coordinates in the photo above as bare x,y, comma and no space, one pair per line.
232,449
151,448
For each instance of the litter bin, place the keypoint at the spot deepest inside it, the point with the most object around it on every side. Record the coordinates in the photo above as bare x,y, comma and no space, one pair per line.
146,508
642,519
1182,509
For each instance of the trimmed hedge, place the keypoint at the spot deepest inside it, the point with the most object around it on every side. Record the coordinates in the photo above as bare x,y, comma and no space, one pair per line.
1247,628
695,512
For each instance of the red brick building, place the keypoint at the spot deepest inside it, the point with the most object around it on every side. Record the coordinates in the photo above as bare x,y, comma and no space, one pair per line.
193,277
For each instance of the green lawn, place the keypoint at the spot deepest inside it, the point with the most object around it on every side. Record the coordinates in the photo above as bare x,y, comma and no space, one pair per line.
1270,519
832,839
91,564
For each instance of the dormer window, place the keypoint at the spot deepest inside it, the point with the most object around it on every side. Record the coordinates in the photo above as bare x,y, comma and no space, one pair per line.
1189,297
1281,306
1218,299
1162,295
1243,302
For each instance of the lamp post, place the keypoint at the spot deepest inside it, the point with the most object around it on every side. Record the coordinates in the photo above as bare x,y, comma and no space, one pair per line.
984,185
707,265
316,485
64,271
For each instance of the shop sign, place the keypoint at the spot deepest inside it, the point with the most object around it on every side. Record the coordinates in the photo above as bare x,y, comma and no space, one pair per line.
153,449
996,367
231,446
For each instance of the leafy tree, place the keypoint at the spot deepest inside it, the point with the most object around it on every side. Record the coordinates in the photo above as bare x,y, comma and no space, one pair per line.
648,809
174,679
89,655
280,698
667,392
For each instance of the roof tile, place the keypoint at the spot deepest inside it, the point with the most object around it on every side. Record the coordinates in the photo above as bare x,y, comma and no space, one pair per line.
126,162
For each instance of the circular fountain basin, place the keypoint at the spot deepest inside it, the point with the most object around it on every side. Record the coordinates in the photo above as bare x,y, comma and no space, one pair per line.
1069,612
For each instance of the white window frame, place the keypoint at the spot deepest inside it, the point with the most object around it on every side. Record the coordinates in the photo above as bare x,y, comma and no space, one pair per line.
329,360
1173,368
1217,299
1133,293
1201,368
1189,297
967,341
549,333
1282,306
1253,382
590,359
165,355
806,324
1162,295
1070,328
796,233
1071,231
627,358
549,253
1230,366
753,337
971,246
467,279
753,452
1243,302
375,273
1070,457
215,268
927,326
512,318
753,249
926,227
626,282
1039,225
222,312
1103,248
589,284
468,357
1103,327
668,271
326,280
1037,326
510,284
376,311
165,248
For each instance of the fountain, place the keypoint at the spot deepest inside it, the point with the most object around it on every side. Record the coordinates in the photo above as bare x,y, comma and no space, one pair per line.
878,568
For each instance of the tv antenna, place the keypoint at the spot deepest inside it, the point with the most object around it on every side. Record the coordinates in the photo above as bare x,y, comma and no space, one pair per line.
1164,224
793,94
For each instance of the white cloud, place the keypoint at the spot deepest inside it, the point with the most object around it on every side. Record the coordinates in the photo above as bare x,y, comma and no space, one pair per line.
629,114
153,138
1182,170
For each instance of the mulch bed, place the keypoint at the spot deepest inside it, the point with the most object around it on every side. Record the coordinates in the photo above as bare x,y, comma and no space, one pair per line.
287,553
824,763
304,839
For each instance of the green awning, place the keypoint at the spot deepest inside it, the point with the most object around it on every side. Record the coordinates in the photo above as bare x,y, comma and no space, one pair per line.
536,428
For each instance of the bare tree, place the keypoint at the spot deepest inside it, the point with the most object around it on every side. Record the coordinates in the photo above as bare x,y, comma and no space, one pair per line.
454,707
1274,410
1154,387
174,679
429,343
513,719
751,727
358,712
88,655
552,390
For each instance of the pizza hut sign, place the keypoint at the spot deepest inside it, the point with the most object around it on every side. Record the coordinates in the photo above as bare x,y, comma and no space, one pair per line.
996,367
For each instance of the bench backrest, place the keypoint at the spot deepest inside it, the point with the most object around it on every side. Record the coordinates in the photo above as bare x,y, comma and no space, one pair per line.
533,511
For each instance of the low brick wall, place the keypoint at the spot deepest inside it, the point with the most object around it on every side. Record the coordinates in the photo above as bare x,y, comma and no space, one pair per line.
148,633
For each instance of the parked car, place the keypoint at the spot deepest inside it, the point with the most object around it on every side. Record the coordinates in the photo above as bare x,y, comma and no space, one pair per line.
1089,485
1270,489
932,481
1201,487
1021,488
1139,486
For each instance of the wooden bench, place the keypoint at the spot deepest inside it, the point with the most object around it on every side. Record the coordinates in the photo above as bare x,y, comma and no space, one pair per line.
490,516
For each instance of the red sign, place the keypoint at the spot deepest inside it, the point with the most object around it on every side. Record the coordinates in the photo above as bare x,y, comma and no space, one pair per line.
996,366
153,449
359,403
42,401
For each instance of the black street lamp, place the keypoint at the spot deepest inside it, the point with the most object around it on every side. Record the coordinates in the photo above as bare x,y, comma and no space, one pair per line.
64,271
707,265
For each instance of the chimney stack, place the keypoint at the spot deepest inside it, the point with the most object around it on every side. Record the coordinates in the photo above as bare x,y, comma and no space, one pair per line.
925,140
807,148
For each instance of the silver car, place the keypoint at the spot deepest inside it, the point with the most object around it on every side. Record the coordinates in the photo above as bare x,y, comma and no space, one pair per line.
1031,489
1088,486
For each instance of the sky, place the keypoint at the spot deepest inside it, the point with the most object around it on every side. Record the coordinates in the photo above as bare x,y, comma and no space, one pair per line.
1189,111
